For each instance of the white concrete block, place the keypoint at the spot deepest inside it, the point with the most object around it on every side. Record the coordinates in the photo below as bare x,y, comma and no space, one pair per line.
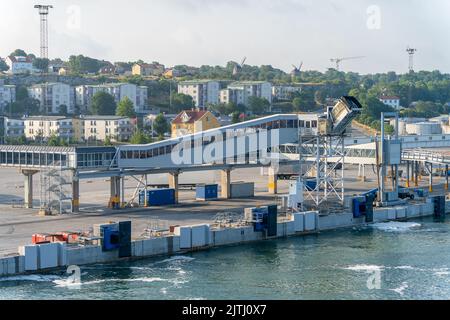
334,221
83,255
11,265
412,211
176,243
380,214
427,209
281,229
62,254
31,253
185,237
290,228
48,255
311,218
299,222
137,249
400,212
199,234
391,213
248,234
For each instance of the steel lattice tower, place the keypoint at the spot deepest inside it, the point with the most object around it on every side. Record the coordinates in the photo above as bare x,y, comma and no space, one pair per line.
43,12
411,52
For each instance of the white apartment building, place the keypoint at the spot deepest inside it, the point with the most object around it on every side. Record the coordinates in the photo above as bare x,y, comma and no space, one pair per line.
203,92
52,96
137,94
285,92
46,126
239,92
391,101
7,95
19,65
12,128
97,128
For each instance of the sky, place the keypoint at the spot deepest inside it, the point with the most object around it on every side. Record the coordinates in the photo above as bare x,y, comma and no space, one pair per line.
275,32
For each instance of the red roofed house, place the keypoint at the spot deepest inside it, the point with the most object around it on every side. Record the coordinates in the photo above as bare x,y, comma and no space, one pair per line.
19,64
193,121
391,101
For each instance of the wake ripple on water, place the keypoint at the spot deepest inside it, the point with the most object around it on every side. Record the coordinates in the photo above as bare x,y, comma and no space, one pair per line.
395,226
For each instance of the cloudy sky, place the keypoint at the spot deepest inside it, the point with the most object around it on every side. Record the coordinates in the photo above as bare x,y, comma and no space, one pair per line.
276,32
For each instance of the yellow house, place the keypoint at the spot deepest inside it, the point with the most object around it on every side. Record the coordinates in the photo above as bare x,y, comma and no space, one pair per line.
193,121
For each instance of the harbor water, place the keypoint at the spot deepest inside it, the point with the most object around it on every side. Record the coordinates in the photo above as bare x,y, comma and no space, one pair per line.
395,260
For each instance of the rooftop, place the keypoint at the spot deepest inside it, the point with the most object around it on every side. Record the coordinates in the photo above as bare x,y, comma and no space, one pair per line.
101,117
44,118
200,81
188,116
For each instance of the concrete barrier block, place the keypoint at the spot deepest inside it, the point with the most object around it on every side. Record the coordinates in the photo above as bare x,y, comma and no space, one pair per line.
108,256
62,254
412,211
281,229
299,222
10,265
427,209
48,255
137,249
400,212
380,214
290,228
248,234
447,206
176,243
83,255
30,252
155,246
199,234
391,213
20,264
334,221
185,237
311,218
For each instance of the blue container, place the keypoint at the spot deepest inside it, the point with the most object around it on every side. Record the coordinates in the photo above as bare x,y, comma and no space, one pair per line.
157,197
359,207
311,184
207,191
111,238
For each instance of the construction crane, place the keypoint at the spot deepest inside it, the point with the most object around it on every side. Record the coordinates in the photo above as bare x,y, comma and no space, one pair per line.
238,67
296,71
43,13
339,60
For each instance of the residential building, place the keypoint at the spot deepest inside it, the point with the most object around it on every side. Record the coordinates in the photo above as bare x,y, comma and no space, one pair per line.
7,95
18,65
146,69
285,92
392,101
239,92
97,128
108,69
137,94
203,92
11,128
52,96
43,127
193,121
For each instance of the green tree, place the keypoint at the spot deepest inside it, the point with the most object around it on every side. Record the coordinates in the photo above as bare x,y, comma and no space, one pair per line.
235,117
125,108
54,141
41,64
18,53
3,66
107,141
160,125
103,104
181,102
82,64
139,138
63,110
258,105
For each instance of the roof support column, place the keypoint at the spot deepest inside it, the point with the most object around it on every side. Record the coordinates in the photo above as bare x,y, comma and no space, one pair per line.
173,183
273,181
28,187
225,183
